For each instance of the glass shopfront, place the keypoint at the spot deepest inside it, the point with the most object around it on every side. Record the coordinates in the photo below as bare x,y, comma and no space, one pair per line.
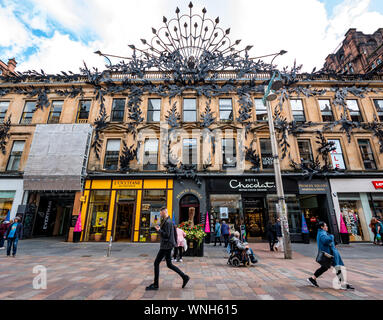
6,201
376,204
353,216
126,210
227,207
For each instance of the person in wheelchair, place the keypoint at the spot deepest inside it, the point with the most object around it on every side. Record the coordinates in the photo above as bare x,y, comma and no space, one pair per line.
243,247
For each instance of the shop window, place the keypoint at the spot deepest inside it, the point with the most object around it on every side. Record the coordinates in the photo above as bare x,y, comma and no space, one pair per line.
229,153
337,155
112,154
354,110
83,111
376,205
227,207
154,110
150,154
326,111
379,108
190,110
352,215
124,214
225,110
15,155
367,154
189,151
297,110
294,214
118,110
3,110
6,201
305,151
266,154
98,215
55,111
29,109
152,201
260,110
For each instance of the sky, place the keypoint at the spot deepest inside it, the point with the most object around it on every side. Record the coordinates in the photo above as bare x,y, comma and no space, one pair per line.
58,35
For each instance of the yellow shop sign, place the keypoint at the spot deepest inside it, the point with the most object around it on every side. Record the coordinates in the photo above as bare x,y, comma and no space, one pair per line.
127,184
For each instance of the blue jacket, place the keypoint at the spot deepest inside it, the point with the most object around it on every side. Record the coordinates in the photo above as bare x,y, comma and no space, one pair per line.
326,243
217,229
18,232
225,229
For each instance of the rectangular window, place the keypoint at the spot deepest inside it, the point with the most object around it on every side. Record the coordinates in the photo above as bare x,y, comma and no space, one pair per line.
260,110
112,154
266,154
190,110
118,109
15,155
337,156
29,109
151,154
367,154
98,215
189,151
83,111
55,111
3,110
305,151
379,108
325,109
225,110
354,110
154,110
297,110
229,153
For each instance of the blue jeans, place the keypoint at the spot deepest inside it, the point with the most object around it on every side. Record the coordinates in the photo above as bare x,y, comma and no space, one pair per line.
12,242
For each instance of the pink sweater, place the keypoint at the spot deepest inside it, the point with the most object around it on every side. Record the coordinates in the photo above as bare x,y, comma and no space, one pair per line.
180,237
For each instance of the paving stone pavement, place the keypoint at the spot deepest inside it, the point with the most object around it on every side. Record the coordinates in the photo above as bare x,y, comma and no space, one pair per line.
83,276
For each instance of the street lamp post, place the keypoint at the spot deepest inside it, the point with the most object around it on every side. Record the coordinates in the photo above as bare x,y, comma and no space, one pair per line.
281,206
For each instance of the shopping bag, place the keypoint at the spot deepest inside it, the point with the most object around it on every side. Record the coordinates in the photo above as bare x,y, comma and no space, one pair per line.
185,245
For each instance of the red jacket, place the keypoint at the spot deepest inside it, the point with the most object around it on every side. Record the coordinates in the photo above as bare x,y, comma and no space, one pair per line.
3,229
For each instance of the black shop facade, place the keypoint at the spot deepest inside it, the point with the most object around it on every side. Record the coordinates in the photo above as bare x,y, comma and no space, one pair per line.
251,202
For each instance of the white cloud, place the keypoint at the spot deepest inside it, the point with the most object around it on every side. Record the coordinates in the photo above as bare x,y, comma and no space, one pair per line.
302,27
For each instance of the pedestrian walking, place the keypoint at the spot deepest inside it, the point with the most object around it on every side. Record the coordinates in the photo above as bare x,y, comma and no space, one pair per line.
278,230
225,229
217,233
13,234
372,226
167,244
378,226
328,256
180,245
3,229
271,235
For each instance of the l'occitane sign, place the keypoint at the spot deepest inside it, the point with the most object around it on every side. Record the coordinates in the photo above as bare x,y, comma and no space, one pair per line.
127,184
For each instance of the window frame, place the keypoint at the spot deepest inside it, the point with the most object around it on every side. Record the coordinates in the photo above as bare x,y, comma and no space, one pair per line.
262,155
183,110
51,111
146,165
190,151
373,160
378,113
311,154
11,154
23,119
326,115
2,118
223,149
153,111
294,111
112,153
360,116
231,115
79,112
112,111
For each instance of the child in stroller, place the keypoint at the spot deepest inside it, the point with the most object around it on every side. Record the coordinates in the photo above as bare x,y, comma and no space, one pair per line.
240,252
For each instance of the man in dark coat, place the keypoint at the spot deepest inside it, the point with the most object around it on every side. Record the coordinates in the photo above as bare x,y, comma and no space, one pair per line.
271,235
167,244
13,234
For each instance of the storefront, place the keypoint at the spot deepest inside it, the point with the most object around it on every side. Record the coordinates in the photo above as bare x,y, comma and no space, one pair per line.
356,201
11,194
126,209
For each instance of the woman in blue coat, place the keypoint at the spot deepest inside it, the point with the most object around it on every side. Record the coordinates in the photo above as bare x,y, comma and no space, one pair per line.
326,243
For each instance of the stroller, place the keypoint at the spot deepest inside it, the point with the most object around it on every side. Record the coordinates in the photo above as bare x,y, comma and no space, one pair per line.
237,256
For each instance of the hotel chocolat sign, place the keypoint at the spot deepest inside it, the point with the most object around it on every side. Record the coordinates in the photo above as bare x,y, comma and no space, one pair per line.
242,185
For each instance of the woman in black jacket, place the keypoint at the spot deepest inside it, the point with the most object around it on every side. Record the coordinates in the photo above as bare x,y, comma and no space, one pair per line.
271,235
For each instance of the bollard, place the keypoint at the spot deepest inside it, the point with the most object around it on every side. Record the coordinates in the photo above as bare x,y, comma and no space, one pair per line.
109,247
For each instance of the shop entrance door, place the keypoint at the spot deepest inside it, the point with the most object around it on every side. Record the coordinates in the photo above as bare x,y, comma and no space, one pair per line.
314,208
254,217
187,202
124,224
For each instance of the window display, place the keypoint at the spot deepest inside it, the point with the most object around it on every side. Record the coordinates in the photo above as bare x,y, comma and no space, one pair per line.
376,205
227,205
152,201
6,200
99,208
350,210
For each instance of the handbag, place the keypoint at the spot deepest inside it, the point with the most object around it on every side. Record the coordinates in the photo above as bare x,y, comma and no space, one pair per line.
325,259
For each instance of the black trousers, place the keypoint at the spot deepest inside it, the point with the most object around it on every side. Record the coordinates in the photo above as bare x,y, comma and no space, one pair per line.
323,269
177,252
215,241
272,242
167,253
226,238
